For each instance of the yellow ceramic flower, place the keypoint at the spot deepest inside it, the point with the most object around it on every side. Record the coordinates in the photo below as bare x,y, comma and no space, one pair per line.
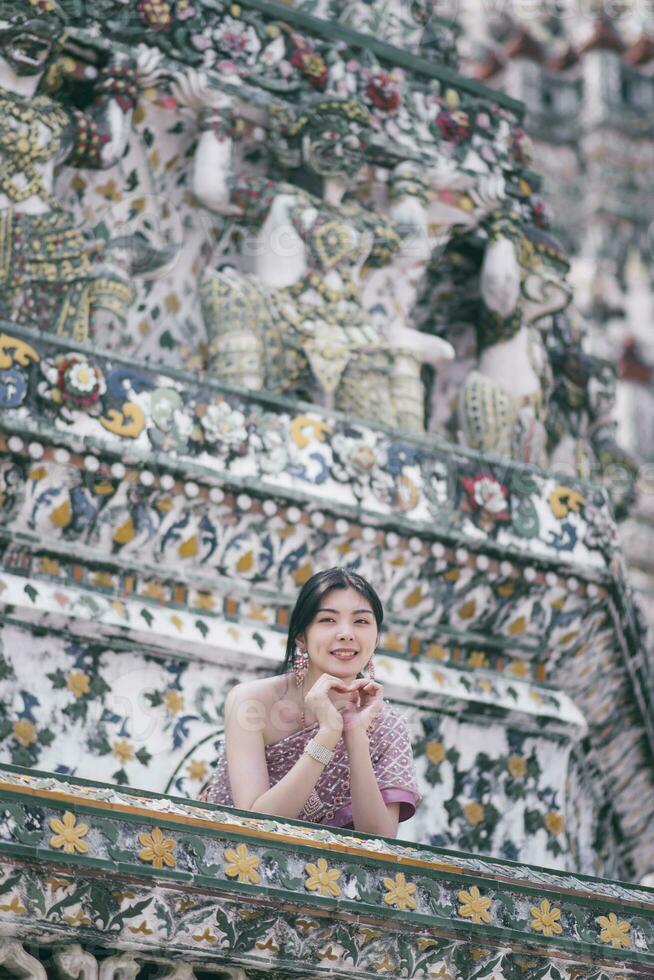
474,813
474,906
477,658
123,750
517,766
242,865
554,822
157,849
565,499
49,566
78,682
437,651
435,752
14,906
400,892
25,732
204,600
174,701
154,590
614,931
546,919
197,769
322,879
68,834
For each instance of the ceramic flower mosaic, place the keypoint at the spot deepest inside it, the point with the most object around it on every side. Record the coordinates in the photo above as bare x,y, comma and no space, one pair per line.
186,437
410,919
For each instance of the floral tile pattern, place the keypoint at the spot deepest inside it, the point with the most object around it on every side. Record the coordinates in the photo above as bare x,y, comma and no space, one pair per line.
155,526
319,458
80,707
480,617
423,905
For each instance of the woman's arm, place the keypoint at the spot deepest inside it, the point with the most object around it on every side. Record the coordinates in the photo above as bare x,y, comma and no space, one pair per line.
246,759
370,813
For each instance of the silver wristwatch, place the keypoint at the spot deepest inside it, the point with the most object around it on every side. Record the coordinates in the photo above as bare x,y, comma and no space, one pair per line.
319,752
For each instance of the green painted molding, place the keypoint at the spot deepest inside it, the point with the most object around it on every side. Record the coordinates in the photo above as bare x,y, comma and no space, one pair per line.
387,52
334,31
234,857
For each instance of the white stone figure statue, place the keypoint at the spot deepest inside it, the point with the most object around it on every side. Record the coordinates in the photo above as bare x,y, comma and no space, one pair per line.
75,963
428,201
420,204
389,294
504,401
298,324
46,265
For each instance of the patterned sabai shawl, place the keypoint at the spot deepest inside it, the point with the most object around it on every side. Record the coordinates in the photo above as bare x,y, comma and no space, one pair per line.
330,802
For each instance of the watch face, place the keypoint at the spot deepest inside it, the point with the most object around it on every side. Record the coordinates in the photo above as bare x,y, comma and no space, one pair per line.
26,48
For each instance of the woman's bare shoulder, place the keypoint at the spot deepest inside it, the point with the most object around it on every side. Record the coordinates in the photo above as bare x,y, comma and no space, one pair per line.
267,689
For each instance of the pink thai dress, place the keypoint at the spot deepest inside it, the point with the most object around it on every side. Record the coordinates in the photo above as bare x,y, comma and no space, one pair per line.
331,802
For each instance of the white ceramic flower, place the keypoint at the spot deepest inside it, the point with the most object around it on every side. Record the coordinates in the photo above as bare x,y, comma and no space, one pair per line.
182,424
238,39
82,377
222,423
489,495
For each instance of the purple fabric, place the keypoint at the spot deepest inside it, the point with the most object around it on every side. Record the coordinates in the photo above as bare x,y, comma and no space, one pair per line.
331,802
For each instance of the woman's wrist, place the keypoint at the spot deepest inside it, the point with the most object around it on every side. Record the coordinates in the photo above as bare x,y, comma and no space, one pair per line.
354,737
327,736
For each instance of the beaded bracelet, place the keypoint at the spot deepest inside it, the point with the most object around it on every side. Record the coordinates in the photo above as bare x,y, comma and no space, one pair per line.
319,752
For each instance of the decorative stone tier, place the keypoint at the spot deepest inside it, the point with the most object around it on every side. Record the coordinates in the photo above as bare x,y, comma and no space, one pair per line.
208,35
155,532
149,879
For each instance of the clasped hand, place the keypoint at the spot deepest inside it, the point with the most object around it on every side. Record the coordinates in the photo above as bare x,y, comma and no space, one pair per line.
345,706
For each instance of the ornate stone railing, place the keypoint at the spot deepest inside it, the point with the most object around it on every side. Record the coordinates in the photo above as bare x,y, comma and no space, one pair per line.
139,878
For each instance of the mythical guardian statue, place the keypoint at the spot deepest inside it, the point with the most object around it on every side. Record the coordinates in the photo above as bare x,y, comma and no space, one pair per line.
297,324
47,263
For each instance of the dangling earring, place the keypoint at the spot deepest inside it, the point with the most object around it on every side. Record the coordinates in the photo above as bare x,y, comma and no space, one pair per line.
371,669
300,665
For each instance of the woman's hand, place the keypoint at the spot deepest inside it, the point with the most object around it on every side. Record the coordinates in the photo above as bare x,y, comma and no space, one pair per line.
370,703
327,699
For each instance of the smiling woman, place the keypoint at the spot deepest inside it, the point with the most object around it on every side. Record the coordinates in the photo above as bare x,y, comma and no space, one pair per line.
317,741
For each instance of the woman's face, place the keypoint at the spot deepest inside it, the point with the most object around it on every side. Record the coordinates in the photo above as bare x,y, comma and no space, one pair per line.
342,636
